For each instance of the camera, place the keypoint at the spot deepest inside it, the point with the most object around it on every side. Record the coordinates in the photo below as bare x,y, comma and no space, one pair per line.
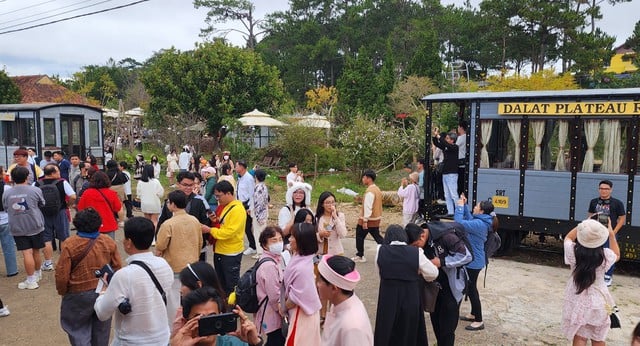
125,306
106,269
217,324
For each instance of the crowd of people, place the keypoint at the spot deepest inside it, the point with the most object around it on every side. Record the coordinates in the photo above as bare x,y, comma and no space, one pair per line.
167,288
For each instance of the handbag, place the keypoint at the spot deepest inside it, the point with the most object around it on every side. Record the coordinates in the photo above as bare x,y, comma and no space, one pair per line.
430,292
612,310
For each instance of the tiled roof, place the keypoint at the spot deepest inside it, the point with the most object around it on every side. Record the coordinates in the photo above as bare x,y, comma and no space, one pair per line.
42,89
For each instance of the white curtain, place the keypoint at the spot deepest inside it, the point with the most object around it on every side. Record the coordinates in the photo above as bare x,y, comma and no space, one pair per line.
563,130
591,131
487,126
514,129
538,134
612,147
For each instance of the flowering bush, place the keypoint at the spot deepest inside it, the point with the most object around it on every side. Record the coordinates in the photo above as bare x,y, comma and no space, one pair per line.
370,144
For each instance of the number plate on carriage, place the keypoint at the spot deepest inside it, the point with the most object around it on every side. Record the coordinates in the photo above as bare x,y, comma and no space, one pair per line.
500,202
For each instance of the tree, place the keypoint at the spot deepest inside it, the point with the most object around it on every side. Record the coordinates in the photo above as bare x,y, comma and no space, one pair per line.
213,81
543,80
9,91
221,11
633,43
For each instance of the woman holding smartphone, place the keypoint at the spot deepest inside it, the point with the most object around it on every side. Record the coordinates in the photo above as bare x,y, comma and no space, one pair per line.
331,225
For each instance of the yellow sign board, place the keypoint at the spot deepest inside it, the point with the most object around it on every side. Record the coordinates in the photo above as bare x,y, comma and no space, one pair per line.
7,116
500,202
569,108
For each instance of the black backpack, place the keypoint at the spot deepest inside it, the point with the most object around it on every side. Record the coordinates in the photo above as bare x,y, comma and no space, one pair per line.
246,292
51,196
439,228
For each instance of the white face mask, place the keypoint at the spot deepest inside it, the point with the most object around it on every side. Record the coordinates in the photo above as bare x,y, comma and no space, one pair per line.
276,248
226,157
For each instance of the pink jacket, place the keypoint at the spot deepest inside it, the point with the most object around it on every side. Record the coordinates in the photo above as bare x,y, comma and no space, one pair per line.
411,197
269,280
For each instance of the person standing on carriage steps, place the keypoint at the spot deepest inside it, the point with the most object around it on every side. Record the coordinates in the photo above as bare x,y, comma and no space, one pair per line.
614,209
450,150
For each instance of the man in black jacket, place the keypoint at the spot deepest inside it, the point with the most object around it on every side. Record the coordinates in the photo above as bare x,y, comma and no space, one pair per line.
450,170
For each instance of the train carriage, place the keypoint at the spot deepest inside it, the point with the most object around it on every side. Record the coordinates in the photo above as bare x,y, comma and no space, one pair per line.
539,156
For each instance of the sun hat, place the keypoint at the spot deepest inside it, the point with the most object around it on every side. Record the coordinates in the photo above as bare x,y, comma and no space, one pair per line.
592,234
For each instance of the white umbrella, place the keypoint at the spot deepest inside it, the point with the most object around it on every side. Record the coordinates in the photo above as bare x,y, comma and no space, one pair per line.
315,120
257,118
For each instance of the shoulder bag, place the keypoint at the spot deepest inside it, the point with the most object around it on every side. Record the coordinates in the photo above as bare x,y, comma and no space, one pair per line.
612,310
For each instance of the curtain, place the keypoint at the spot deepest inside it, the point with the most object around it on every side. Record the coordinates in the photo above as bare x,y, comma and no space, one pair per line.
563,130
487,126
514,129
538,134
591,131
612,147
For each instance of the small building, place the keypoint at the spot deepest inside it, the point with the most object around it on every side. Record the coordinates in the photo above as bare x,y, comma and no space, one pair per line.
71,128
622,62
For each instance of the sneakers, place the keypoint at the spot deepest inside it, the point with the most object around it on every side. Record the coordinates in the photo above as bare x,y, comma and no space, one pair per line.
256,256
249,251
26,285
608,280
47,267
4,311
359,259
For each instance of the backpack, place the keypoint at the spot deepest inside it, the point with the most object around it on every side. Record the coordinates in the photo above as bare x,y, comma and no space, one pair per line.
439,228
246,292
51,196
492,245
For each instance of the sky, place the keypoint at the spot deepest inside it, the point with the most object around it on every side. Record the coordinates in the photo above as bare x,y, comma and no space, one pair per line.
140,30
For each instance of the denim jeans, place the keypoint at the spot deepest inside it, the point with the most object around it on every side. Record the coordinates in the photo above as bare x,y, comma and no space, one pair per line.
450,184
8,249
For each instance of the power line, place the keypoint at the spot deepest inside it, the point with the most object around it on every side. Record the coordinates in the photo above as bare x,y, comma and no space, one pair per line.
26,8
74,17
50,16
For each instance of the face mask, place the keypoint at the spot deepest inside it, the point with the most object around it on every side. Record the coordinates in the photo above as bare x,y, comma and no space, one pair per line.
276,248
226,157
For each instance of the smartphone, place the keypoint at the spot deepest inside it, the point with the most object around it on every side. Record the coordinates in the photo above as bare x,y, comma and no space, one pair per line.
217,324
602,218
106,269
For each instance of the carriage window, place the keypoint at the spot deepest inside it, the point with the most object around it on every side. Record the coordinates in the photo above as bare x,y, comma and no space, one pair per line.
9,133
547,143
28,132
604,143
499,149
94,133
49,132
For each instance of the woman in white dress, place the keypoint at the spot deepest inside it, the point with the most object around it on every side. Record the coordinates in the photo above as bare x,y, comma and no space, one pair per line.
172,167
150,191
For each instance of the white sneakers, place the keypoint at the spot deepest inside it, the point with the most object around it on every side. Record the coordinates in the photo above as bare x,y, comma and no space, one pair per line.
4,311
608,280
249,251
359,259
26,285
47,267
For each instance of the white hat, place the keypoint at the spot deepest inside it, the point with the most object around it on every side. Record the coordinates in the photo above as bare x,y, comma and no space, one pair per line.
592,234
299,186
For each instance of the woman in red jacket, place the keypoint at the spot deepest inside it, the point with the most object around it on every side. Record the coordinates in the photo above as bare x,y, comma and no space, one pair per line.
104,200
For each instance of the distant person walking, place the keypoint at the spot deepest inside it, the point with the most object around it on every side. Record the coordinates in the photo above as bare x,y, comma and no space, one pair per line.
370,215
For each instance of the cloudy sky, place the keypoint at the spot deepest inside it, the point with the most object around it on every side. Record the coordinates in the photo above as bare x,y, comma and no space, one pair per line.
139,30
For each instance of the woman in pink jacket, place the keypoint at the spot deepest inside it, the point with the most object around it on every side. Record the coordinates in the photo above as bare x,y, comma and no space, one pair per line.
269,283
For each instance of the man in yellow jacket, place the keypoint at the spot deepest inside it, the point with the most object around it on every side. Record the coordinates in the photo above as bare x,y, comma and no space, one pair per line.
229,235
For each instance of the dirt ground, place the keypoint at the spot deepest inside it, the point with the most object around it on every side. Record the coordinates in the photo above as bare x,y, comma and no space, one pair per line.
522,302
